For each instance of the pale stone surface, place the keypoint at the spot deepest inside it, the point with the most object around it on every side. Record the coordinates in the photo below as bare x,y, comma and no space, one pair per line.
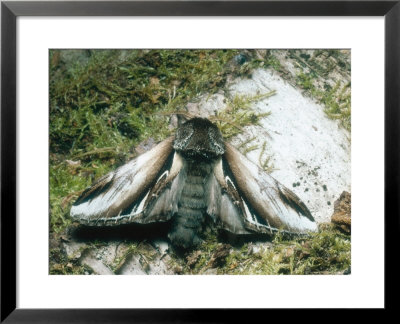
73,250
103,259
91,258
207,106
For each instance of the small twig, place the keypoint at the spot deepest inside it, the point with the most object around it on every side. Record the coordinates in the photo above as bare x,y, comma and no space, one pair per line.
246,142
249,149
95,151
261,154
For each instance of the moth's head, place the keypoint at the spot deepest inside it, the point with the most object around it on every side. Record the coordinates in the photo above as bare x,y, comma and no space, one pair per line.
198,138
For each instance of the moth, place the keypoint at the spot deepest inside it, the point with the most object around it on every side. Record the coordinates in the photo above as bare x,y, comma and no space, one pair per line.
192,179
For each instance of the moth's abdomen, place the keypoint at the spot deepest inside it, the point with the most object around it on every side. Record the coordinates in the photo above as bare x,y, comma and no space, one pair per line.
189,220
191,205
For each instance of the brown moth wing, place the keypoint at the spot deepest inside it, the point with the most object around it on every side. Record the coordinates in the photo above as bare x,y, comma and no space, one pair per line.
125,190
223,202
265,203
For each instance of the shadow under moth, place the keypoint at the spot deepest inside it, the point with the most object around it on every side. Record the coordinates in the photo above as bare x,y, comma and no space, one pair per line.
191,179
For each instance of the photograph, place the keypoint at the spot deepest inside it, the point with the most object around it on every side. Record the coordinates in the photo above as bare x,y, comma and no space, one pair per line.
199,161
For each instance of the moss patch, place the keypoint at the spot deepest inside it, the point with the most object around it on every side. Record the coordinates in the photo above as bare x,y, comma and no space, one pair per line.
327,252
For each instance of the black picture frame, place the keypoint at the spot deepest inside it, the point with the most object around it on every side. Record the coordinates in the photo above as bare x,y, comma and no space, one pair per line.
11,10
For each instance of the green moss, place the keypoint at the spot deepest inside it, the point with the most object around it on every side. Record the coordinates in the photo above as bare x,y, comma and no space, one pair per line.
305,81
61,265
239,113
273,62
326,252
337,100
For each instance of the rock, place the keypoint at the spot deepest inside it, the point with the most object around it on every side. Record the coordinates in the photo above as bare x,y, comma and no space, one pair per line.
145,259
173,123
158,267
258,247
131,266
145,146
342,212
211,271
74,250
162,246
89,258
117,257
207,105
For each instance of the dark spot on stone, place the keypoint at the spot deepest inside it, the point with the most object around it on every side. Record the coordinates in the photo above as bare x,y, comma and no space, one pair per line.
329,203
324,187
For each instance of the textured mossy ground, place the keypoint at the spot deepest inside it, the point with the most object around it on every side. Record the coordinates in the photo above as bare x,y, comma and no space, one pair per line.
103,103
327,252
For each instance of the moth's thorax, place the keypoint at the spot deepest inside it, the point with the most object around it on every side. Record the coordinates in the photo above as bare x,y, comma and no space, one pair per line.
199,139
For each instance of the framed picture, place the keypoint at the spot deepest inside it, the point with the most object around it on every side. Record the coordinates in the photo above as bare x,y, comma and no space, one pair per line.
288,95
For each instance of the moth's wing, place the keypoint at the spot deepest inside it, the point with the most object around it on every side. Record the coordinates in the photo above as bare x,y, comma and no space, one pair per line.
222,202
139,191
264,203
